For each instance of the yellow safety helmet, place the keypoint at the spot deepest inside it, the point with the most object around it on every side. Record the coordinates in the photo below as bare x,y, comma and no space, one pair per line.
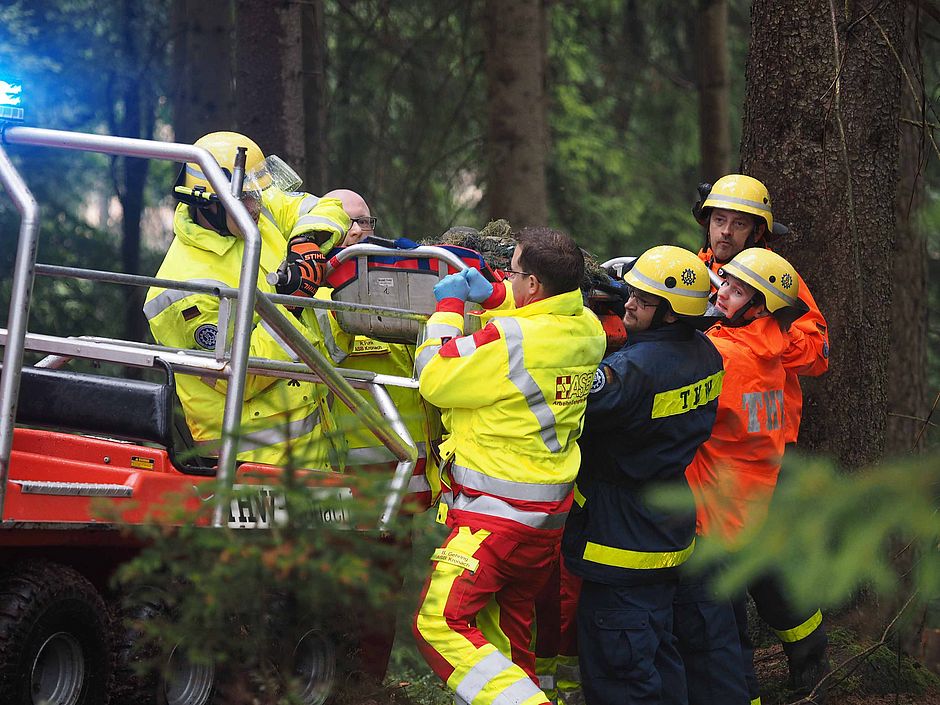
737,192
770,274
192,186
674,274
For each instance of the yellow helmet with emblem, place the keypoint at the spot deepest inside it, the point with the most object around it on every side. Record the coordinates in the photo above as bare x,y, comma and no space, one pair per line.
768,273
737,192
674,274
192,186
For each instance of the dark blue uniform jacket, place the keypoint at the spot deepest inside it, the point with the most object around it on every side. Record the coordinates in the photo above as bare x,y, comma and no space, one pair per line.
652,404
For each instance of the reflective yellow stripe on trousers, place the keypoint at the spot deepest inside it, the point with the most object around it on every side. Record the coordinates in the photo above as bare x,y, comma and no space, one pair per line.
800,631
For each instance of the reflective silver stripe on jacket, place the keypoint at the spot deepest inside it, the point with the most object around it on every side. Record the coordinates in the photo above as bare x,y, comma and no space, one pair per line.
424,357
528,491
494,507
480,676
308,204
519,376
269,436
378,454
270,216
306,222
162,301
337,354
442,330
433,330
418,483
466,345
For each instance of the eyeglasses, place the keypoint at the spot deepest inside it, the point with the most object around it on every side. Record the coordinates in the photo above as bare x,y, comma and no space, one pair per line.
512,272
365,222
642,303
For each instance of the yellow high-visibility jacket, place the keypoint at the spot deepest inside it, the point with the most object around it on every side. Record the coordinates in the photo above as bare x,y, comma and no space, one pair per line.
294,214
357,446
281,418
514,394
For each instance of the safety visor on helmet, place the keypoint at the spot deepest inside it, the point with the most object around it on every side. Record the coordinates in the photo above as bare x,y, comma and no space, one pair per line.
273,171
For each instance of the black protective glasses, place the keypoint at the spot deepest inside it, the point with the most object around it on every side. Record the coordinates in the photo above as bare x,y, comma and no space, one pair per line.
366,222
512,272
641,301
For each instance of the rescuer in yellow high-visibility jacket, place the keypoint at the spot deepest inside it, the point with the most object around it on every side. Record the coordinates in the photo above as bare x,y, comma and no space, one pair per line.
514,395
422,419
281,418
358,446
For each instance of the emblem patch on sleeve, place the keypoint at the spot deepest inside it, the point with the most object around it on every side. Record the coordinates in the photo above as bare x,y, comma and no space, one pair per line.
205,336
600,379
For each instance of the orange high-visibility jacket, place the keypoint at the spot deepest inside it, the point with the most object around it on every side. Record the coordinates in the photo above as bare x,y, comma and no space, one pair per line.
808,354
733,474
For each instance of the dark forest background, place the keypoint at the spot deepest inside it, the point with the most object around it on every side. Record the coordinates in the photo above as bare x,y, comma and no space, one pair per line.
595,116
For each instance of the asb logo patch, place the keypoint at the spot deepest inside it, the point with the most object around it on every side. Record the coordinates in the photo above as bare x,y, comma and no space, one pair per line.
206,335
572,389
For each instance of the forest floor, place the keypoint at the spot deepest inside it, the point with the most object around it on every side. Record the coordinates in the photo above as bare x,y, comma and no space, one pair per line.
877,678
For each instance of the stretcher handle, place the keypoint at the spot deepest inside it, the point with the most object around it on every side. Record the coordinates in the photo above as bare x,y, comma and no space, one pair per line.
422,252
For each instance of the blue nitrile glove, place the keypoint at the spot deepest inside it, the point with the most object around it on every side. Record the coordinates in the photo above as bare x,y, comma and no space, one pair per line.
453,286
404,243
480,289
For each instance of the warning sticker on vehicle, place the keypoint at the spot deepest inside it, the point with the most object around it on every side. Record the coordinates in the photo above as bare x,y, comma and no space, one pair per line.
141,463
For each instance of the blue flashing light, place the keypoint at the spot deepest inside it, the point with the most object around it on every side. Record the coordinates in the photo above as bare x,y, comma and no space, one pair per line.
11,98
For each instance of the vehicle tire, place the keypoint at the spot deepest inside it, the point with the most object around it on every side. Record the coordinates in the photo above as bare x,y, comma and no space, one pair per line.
306,658
310,665
55,641
148,673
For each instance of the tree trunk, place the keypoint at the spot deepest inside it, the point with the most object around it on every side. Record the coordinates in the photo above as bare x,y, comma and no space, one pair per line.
714,88
202,83
908,398
515,67
821,130
315,97
269,78
137,122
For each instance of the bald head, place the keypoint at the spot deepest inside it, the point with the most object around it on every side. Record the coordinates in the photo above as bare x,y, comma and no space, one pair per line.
355,207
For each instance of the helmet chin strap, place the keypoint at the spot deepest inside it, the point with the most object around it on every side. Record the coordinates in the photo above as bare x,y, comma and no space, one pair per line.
753,238
661,310
738,320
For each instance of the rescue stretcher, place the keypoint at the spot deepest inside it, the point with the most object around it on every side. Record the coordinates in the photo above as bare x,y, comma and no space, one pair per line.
368,274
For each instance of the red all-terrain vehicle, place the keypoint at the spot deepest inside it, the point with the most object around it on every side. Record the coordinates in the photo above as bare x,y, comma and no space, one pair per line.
69,439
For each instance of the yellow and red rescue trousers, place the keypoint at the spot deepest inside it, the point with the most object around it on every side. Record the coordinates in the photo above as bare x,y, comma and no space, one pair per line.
513,401
282,419
807,354
556,634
